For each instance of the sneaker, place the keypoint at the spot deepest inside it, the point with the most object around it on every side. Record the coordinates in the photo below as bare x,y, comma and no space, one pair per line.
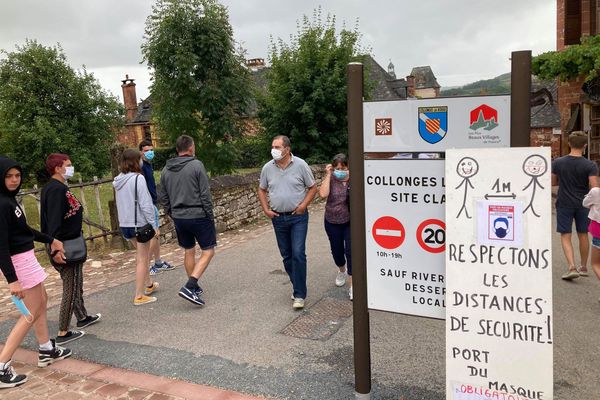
582,271
570,275
340,279
165,266
350,292
155,270
191,296
143,300
69,337
298,303
47,357
158,268
148,290
89,320
199,290
8,377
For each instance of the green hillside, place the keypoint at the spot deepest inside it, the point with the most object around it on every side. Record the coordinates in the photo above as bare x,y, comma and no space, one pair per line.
497,85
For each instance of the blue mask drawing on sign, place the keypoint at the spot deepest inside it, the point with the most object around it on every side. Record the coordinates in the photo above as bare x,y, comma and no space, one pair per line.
433,123
501,227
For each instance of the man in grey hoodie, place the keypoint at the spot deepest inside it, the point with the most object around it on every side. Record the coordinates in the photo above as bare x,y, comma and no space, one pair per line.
185,194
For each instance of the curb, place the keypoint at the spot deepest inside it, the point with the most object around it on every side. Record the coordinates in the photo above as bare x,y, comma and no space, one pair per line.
167,386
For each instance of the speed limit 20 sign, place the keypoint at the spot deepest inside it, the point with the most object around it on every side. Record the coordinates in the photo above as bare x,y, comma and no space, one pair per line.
431,235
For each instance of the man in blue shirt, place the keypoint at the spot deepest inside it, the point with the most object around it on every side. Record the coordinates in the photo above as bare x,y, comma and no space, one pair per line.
147,150
575,175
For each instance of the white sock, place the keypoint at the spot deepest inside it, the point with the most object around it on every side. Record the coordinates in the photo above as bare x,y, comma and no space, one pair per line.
3,365
46,346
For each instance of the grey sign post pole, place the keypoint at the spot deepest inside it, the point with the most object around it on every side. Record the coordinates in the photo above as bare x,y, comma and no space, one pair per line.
362,346
520,92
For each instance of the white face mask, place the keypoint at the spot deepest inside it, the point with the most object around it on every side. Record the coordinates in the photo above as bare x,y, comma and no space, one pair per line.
276,154
69,172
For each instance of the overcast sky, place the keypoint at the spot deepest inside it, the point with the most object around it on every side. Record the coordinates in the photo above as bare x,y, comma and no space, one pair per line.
462,40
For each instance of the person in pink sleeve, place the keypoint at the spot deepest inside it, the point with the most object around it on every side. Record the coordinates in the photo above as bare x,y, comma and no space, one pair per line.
592,201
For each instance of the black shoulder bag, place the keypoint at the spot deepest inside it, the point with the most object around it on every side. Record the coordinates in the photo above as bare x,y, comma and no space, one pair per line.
144,233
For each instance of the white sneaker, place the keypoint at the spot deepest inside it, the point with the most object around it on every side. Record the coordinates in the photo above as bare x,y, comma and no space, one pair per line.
298,303
350,292
340,279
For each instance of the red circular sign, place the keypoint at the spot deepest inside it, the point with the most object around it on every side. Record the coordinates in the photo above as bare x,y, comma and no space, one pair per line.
431,235
388,232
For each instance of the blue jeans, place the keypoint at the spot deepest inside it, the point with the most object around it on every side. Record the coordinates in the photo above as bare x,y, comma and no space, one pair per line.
339,240
291,231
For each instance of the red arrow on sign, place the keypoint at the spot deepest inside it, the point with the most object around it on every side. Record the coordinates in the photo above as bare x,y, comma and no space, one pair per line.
388,232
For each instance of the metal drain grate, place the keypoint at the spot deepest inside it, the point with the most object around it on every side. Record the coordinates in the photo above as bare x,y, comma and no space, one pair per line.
320,321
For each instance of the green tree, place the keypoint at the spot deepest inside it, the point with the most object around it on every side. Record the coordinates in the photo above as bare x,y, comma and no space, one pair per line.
200,86
307,84
574,61
47,107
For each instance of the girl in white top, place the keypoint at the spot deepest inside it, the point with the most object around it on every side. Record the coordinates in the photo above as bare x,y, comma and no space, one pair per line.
592,201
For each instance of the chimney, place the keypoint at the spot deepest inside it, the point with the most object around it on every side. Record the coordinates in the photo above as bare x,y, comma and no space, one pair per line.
129,98
254,64
410,80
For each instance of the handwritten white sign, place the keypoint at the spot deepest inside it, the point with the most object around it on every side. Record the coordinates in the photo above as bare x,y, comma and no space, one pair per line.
498,274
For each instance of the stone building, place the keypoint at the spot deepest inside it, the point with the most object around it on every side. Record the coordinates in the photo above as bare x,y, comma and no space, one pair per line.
138,123
426,84
545,118
578,104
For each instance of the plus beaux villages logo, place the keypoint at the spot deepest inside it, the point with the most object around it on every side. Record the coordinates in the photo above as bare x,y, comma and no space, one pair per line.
484,119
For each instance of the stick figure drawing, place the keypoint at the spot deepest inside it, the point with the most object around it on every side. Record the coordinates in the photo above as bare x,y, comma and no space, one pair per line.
534,166
467,168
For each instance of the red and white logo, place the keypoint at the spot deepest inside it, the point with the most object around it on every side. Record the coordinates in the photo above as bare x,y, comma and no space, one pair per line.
388,232
383,126
483,117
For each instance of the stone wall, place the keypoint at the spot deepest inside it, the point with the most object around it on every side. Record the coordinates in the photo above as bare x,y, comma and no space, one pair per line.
235,201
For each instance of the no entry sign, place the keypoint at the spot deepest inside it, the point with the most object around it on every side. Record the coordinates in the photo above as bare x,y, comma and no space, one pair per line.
388,232
431,235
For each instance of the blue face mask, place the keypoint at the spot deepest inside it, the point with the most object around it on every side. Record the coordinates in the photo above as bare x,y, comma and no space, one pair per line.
149,155
340,174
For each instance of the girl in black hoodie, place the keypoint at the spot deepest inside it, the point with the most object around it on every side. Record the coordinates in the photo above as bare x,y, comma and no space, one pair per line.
24,275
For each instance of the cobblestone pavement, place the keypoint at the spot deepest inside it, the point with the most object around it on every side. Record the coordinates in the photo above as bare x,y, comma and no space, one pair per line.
74,379
118,267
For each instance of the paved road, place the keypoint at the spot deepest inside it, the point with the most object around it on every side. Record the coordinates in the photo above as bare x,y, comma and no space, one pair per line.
242,339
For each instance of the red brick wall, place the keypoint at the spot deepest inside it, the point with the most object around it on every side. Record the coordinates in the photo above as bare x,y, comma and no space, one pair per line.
129,136
560,24
544,137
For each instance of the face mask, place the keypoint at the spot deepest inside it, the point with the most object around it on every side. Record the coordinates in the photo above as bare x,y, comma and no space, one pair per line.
69,172
340,174
501,232
149,155
276,154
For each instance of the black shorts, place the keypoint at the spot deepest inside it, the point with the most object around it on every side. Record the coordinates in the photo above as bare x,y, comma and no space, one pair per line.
565,217
201,230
